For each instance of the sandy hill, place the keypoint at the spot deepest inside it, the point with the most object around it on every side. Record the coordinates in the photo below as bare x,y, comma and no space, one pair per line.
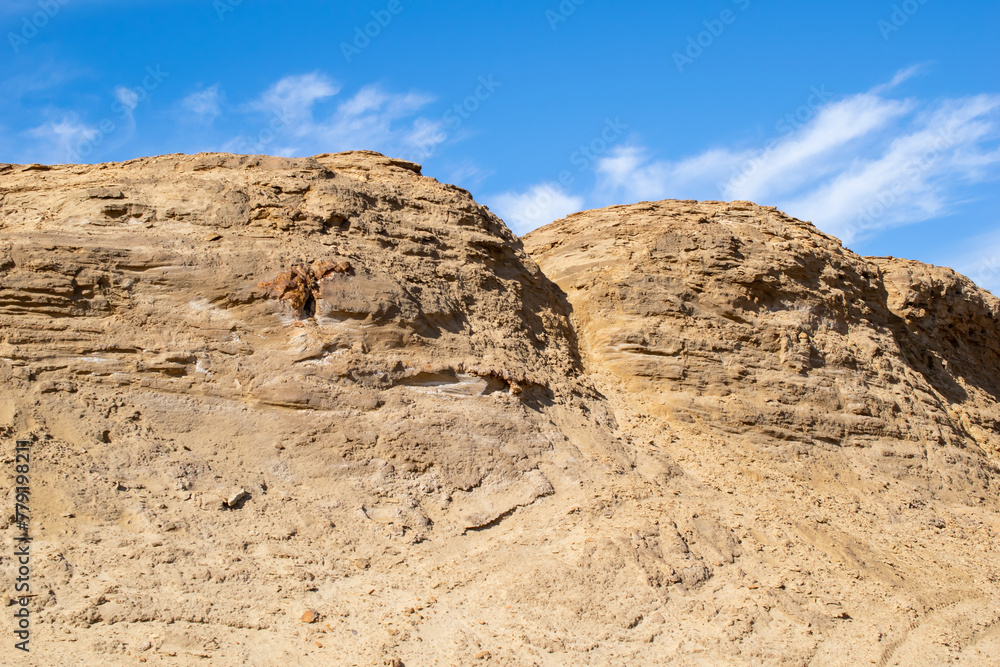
329,411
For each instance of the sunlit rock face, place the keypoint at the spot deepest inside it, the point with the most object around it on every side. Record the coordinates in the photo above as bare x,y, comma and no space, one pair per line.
331,411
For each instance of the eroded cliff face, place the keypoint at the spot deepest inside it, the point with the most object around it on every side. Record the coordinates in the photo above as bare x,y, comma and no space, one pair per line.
744,320
405,276
259,387
844,410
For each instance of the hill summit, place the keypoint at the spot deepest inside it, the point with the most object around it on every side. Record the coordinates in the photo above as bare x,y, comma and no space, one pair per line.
331,411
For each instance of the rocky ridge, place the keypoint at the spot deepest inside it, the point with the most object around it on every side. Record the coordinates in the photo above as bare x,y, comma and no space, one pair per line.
328,409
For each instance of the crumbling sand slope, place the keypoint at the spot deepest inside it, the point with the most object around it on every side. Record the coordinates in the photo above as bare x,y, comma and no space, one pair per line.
329,411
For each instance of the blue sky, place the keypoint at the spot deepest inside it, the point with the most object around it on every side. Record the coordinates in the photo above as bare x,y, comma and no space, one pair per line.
878,121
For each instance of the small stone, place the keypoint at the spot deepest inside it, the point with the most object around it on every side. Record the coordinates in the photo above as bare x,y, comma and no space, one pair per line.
657,618
484,655
236,499
311,616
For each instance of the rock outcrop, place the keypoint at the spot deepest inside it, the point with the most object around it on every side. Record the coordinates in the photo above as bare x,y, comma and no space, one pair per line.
743,320
330,411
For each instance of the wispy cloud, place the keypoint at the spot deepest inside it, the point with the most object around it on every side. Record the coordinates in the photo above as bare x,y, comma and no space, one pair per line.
901,77
206,104
46,77
302,114
983,263
372,118
537,206
858,165
631,171
818,148
58,138
798,156
293,97
127,98
914,178
467,173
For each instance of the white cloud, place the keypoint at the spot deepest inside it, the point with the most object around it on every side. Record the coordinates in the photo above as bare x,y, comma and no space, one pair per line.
426,133
540,205
852,166
376,119
468,174
293,97
127,97
803,155
372,119
901,77
630,170
910,181
206,103
367,99
982,265
62,140
296,115
817,148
